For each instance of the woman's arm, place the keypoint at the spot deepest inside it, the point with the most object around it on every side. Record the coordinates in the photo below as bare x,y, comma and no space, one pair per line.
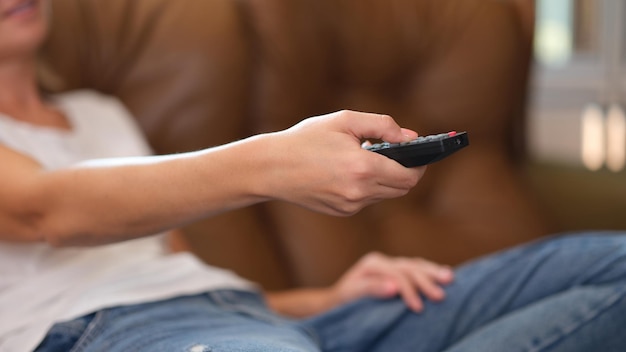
302,303
375,275
318,164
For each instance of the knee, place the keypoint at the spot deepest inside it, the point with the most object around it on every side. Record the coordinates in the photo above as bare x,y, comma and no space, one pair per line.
611,241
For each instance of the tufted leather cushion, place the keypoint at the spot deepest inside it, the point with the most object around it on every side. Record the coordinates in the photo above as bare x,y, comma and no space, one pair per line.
200,73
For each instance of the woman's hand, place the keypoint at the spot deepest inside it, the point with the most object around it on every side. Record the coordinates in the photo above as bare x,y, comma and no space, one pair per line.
323,167
378,275
375,275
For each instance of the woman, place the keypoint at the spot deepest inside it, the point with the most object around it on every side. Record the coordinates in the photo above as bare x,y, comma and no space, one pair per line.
83,265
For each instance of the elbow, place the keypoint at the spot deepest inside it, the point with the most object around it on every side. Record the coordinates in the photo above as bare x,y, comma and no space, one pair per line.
40,228
34,216
61,239
25,228
56,240
61,236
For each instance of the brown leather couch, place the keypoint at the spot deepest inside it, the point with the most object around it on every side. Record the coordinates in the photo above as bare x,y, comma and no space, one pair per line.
197,73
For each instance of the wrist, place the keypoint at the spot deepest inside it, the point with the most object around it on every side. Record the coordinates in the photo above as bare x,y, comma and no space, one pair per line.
256,164
335,295
268,165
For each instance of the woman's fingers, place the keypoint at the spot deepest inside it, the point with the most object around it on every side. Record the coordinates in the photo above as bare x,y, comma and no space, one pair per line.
413,279
415,276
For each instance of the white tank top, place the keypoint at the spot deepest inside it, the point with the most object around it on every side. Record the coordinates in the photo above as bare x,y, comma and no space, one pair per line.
41,285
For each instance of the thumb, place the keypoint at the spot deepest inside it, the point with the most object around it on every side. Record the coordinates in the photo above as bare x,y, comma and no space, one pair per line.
368,125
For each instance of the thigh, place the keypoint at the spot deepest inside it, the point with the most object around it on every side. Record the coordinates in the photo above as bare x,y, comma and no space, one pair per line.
220,321
483,291
581,319
63,336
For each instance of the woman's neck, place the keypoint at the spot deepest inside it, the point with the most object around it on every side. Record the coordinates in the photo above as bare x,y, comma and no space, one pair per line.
20,98
18,84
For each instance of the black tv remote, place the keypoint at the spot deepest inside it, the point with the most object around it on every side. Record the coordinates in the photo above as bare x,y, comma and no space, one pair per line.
422,150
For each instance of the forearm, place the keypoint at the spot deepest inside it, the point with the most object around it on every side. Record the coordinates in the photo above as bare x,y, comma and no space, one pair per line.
318,164
115,199
301,303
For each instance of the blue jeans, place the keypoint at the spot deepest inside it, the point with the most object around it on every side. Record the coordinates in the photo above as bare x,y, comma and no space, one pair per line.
560,294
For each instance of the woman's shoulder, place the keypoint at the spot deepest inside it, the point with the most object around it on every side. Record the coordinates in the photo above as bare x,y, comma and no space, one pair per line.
86,96
93,106
102,114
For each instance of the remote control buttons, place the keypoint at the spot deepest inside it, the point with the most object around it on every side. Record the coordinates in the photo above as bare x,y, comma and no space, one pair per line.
378,146
418,140
422,150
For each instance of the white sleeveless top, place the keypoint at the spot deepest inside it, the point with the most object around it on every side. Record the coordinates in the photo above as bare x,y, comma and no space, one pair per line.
41,285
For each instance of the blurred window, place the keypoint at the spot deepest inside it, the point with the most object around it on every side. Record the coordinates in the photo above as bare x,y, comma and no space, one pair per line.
577,100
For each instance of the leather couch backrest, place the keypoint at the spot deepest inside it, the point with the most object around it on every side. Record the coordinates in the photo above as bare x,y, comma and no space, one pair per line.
200,73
